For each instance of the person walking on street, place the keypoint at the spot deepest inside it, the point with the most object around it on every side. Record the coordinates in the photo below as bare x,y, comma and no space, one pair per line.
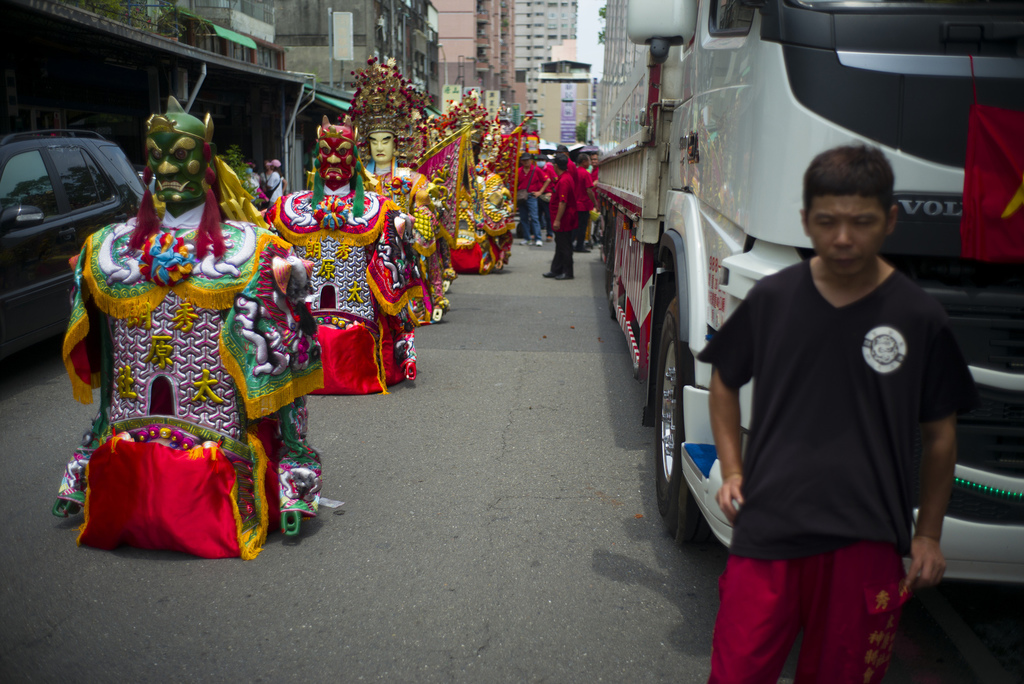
563,201
850,358
585,203
544,198
273,181
529,184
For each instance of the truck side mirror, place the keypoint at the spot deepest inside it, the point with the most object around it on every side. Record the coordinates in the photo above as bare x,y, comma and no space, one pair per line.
20,216
661,24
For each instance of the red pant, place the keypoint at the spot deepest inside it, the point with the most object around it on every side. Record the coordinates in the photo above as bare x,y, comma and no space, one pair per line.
847,602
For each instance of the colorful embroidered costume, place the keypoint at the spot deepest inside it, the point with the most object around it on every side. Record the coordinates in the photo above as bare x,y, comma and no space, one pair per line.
484,205
384,107
362,279
195,333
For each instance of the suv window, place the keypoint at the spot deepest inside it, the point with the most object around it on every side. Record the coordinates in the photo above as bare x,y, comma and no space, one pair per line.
118,161
26,181
79,180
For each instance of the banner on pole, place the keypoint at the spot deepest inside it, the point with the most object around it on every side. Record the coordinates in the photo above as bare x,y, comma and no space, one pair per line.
342,25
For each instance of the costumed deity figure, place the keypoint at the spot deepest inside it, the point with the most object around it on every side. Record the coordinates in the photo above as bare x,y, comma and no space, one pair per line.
362,277
385,109
195,331
484,205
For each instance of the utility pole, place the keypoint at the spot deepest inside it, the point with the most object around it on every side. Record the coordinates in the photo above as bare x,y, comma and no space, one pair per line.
330,44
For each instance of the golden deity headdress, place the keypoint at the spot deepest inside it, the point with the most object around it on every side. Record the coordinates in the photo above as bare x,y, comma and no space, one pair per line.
385,100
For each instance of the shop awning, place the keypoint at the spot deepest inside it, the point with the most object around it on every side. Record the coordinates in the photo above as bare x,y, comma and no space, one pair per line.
334,102
228,34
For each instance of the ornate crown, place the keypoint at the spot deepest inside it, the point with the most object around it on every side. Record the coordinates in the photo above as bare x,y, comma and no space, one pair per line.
386,101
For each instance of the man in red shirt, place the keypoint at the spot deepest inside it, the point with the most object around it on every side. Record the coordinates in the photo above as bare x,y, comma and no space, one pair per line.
585,203
530,184
543,211
563,203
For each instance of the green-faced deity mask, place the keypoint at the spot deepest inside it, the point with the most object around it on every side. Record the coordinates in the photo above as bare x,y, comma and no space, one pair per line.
178,152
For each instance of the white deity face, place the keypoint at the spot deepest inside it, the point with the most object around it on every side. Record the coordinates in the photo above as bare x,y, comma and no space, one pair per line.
382,147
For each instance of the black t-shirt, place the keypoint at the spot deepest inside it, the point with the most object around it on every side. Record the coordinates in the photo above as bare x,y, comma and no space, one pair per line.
838,395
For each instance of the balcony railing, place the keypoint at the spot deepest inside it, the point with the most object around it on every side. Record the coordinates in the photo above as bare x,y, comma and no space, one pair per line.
264,11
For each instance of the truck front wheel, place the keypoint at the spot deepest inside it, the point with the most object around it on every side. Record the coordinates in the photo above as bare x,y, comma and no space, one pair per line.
675,370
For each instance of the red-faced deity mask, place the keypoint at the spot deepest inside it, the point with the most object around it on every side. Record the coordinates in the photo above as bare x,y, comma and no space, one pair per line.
337,153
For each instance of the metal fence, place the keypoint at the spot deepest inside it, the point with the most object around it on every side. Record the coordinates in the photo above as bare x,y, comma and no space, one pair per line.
264,11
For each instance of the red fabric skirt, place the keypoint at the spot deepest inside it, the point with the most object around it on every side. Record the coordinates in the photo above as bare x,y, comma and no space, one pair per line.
349,358
846,601
467,260
154,497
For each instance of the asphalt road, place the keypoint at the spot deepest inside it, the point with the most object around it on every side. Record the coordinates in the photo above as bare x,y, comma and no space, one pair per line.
499,525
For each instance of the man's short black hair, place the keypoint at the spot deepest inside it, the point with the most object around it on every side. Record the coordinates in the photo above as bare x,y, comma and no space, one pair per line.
562,148
562,161
850,170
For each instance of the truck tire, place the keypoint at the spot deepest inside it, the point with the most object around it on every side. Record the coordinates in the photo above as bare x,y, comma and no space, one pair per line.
675,370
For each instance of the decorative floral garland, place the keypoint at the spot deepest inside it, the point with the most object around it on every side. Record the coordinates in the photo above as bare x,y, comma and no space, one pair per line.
334,213
167,260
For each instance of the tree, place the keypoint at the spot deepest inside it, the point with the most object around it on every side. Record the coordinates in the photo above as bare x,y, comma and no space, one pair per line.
581,131
603,14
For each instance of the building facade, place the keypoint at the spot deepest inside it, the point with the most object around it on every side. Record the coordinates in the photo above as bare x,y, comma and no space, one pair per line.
478,39
545,32
565,98
405,30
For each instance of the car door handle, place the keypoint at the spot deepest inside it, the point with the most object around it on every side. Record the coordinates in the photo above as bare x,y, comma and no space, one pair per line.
66,235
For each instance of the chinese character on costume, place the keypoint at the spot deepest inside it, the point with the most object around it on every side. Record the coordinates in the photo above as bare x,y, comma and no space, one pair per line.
385,109
194,330
362,277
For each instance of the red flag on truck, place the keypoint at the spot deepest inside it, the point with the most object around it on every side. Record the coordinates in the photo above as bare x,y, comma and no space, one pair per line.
992,226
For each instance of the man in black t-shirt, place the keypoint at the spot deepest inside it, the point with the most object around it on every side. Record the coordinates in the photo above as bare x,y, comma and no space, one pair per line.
850,358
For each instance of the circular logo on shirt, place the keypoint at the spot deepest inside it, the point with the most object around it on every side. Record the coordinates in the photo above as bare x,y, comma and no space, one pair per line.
884,349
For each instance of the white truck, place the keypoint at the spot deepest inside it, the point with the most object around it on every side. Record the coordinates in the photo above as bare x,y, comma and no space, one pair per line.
709,114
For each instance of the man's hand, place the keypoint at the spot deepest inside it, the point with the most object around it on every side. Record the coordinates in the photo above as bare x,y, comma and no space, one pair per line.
927,564
730,490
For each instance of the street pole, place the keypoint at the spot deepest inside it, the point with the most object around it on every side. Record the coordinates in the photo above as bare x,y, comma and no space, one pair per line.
444,62
330,44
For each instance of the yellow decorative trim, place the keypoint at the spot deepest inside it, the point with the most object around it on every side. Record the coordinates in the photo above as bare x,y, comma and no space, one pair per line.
425,251
250,548
393,308
263,405
381,377
354,239
190,290
76,334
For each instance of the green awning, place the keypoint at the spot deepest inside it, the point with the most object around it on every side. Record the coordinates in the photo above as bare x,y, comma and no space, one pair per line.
228,34
334,102
433,112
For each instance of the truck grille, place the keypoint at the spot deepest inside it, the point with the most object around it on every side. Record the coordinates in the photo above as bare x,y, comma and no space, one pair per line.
973,506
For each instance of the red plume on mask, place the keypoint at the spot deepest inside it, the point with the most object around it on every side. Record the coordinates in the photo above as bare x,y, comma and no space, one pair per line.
146,221
209,235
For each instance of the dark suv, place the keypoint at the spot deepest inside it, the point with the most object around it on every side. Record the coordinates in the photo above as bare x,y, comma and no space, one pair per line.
56,188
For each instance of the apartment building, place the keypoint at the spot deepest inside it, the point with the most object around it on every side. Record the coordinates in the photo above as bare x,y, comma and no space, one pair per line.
477,39
545,32
403,29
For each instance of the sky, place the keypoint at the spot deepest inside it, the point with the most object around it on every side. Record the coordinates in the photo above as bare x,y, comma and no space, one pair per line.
588,24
